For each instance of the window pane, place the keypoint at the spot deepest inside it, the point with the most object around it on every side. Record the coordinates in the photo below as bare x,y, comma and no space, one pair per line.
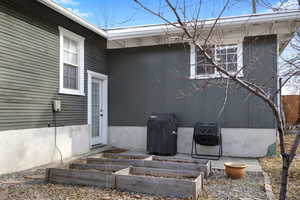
70,54
227,57
231,58
221,50
70,45
70,77
66,77
71,58
205,69
66,56
232,67
232,49
67,43
203,65
73,83
222,58
74,46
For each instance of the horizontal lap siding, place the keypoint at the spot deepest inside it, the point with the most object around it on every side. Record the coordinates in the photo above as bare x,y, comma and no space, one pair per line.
155,79
29,66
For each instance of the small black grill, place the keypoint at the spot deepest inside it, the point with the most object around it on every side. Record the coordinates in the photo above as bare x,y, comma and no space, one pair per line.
207,134
162,134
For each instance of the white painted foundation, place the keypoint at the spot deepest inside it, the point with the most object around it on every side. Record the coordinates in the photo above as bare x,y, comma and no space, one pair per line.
237,142
24,149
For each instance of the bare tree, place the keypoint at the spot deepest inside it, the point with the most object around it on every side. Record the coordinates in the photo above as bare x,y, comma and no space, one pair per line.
280,5
253,6
191,29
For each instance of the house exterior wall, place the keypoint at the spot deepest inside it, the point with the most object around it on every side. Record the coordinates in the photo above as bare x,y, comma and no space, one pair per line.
29,66
29,81
156,79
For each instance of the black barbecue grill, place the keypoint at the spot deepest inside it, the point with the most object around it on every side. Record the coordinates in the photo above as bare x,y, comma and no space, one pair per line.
206,134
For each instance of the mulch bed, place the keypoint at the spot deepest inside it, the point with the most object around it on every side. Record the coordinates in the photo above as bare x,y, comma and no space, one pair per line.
273,167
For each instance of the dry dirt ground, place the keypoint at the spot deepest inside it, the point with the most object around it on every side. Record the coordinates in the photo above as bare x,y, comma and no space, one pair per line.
273,167
29,185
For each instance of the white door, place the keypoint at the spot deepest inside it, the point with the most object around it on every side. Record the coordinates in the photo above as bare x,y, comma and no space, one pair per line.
96,111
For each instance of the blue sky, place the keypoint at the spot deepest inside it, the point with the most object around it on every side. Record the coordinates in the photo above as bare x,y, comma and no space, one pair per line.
118,13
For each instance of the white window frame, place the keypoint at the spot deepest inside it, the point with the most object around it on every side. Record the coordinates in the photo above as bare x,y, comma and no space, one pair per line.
80,40
193,67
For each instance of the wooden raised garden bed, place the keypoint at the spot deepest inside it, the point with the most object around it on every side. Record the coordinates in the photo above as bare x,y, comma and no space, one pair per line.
184,164
122,156
84,174
119,159
164,176
99,167
156,162
163,182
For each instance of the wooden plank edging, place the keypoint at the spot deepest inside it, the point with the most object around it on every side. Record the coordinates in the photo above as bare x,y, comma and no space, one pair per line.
268,186
167,187
203,166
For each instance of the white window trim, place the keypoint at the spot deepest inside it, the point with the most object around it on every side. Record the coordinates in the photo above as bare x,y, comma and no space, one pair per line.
193,68
66,33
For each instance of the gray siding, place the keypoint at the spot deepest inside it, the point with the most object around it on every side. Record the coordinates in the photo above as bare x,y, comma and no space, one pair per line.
29,66
155,79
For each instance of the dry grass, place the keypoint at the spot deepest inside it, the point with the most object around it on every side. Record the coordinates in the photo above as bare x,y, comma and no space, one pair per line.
273,167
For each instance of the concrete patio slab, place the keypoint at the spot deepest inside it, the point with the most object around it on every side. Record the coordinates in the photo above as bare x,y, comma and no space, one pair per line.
252,163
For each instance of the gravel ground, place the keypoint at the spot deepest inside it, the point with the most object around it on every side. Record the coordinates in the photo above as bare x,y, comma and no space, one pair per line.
29,185
251,187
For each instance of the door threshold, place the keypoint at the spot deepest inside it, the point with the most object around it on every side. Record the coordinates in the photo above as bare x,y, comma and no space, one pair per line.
97,146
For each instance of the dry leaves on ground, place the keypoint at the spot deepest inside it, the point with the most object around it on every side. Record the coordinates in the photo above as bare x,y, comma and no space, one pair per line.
273,167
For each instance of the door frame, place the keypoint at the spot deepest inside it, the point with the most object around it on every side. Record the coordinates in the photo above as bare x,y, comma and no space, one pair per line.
104,99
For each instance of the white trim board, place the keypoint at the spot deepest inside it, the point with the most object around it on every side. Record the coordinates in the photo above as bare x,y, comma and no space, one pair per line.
104,96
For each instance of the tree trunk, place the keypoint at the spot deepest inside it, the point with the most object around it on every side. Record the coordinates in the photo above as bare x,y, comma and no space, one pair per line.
284,178
254,6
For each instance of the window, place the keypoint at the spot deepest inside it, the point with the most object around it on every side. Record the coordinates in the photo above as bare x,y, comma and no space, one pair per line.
71,63
227,56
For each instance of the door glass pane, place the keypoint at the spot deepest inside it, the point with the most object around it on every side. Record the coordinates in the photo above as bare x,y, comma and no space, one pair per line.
95,108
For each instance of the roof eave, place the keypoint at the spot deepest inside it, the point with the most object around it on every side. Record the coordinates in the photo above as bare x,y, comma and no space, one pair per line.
152,30
74,17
